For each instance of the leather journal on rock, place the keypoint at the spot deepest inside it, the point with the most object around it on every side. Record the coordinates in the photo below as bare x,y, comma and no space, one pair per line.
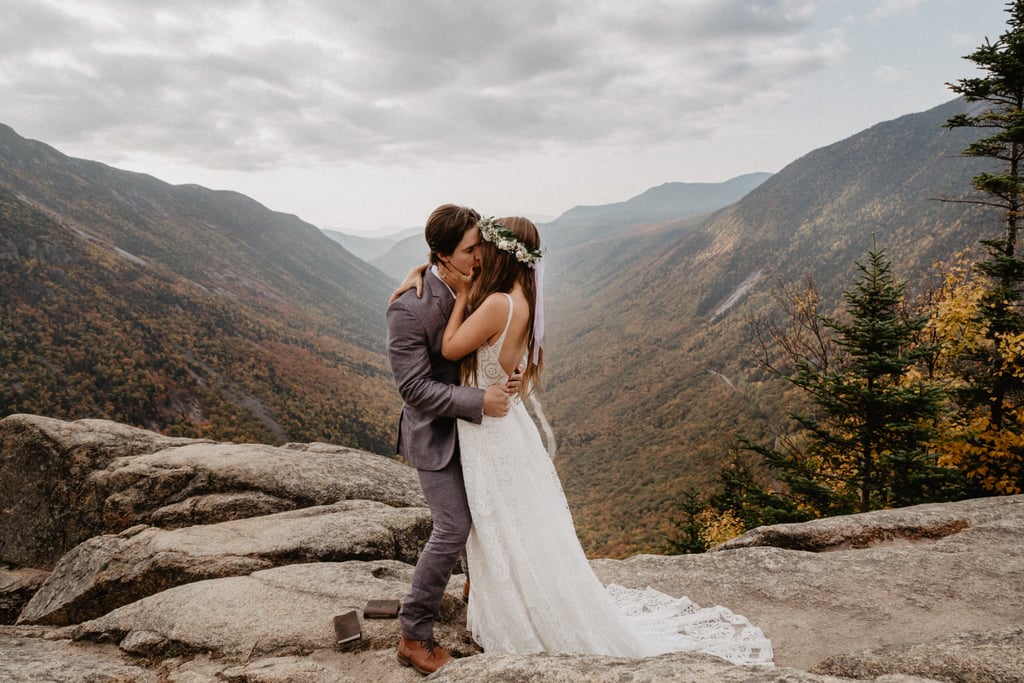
346,627
381,609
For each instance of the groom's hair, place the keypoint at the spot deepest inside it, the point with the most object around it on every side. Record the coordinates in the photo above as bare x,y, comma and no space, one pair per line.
445,228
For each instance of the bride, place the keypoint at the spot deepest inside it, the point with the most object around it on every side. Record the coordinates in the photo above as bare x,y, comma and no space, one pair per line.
533,588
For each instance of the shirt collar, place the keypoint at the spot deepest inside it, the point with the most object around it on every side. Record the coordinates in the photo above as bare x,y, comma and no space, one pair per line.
437,274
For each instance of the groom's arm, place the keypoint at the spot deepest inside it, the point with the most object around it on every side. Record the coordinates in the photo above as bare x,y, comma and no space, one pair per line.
410,365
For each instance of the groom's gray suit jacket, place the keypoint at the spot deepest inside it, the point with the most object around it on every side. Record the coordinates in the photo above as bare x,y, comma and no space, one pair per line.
427,382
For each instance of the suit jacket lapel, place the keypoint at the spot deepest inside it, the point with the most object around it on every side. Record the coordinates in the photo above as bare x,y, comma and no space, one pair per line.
441,294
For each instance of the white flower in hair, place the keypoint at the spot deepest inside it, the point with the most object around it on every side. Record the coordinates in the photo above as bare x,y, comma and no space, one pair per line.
506,240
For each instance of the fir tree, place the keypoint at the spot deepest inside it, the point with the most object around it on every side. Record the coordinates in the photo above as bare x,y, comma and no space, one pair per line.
867,442
991,393
747,491
686,539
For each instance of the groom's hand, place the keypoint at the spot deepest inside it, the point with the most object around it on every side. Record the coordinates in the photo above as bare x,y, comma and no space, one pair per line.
496,401
515,380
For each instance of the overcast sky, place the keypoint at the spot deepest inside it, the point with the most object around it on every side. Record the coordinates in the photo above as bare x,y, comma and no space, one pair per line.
365,115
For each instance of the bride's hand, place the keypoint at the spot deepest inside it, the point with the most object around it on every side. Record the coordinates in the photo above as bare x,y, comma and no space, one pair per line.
414,280
515,380
459,282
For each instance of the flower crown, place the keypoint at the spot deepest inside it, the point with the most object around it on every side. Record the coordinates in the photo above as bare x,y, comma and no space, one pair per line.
506,240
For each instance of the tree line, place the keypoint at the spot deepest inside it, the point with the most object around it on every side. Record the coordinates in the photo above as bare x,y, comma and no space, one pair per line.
904,400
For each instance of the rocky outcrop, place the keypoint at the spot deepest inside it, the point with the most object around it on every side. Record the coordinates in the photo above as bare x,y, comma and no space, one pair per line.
109,571
25,655
48,508
64,482
17,586
203,483
280,611
974,656
553,668
816,605
881,527
220,583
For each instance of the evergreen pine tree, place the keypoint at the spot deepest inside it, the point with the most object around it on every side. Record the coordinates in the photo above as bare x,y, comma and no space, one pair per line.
746,490
687,540
867,444
991,395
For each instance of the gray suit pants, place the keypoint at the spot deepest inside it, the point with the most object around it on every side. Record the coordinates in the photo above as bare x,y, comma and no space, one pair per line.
445,492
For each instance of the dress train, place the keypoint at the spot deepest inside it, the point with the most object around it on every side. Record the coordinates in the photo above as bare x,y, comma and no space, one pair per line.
533,587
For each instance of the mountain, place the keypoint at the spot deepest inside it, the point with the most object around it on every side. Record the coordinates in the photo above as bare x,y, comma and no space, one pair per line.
668,202
651,368
404,255
369,248
366,248
201,313
181,309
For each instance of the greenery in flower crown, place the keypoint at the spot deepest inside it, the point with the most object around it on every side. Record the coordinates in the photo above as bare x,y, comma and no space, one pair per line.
506,240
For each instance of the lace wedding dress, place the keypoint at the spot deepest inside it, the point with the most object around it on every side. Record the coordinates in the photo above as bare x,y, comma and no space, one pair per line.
533,588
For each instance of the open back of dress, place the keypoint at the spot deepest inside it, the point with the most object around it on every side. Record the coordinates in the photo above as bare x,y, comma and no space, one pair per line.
533,588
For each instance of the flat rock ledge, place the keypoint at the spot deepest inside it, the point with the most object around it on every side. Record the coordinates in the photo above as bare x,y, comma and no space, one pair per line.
974,656
36,655
815,605
109,571
696,668
281,611
45,656
900,526
188,561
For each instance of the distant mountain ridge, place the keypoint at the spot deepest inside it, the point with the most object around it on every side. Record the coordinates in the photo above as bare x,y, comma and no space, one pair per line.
366,247
667,202
182,309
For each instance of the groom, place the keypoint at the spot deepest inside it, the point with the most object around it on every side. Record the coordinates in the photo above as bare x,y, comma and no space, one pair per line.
427,437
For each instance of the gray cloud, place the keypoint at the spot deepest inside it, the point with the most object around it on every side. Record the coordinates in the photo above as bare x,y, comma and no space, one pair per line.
245,84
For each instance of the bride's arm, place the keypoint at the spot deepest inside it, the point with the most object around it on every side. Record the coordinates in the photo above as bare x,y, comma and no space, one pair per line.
464,336
414,280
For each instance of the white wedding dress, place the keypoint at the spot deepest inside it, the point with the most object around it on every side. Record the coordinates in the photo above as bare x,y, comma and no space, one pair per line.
532,587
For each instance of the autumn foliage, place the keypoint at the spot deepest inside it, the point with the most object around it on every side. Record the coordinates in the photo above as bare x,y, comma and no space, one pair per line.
902,403
982,434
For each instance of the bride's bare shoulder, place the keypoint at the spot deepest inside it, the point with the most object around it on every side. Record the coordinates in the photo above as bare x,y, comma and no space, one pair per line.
496,300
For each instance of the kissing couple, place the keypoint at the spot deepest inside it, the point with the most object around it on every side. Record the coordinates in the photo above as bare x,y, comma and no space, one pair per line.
465,343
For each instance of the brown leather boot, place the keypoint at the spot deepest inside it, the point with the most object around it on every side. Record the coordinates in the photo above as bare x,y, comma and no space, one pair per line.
465,591
426,656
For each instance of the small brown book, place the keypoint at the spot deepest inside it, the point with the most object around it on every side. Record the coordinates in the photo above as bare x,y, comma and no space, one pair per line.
346,627
381,609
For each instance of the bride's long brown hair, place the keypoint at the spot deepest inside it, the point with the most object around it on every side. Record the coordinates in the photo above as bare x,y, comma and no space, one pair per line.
499,272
